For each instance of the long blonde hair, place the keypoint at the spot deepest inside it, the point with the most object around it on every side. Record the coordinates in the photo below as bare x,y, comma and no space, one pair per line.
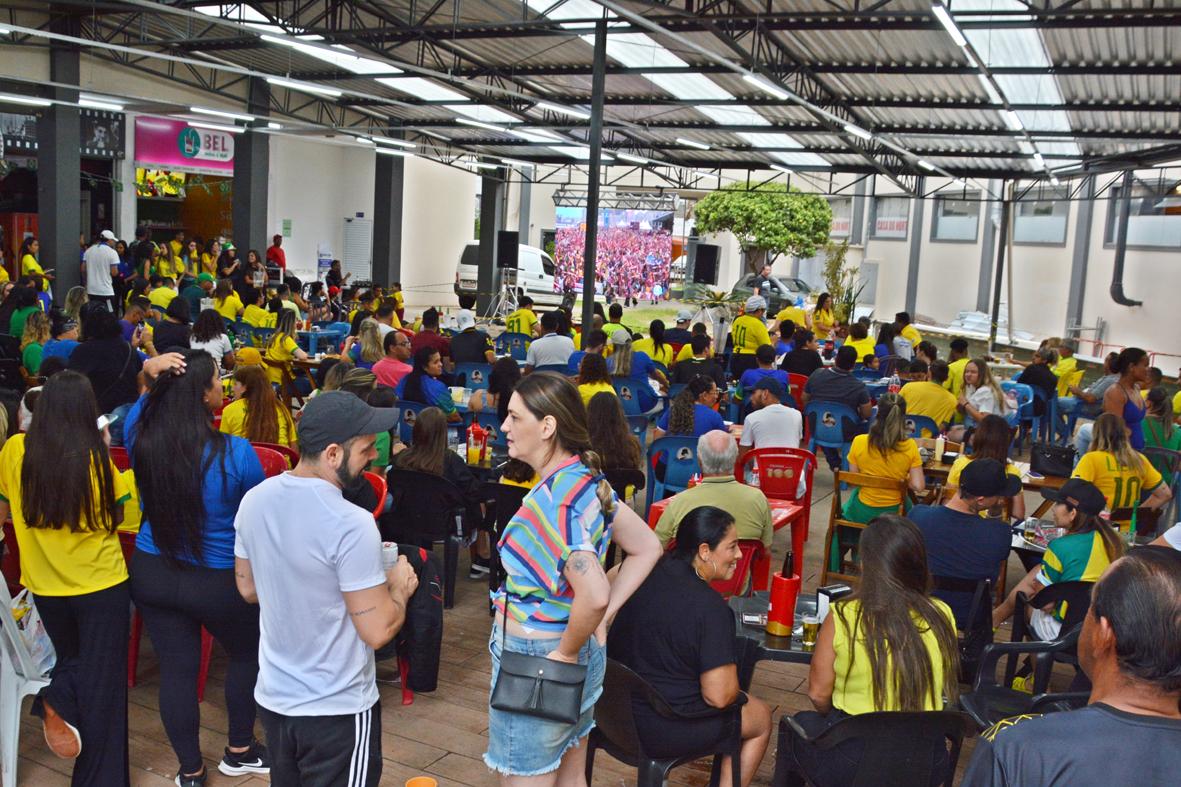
621,360
1110,435
889,427
36,329
987,380
370,339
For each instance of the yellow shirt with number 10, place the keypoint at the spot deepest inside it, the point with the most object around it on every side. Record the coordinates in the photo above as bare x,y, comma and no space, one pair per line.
749,333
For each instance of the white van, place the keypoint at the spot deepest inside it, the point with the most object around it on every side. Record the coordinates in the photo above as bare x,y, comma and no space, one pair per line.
535,273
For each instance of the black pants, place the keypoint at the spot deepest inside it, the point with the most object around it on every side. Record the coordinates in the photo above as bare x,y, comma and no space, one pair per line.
837,766
324,751
175,604
89,681
107,300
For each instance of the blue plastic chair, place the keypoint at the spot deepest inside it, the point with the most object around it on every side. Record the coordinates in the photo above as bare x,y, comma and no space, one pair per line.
1025,414
557,368
638,425
515,344
680,464
407,416
675,388
628,396
262,337
244,331
826,423
867,375
473,375
1044,423
921,426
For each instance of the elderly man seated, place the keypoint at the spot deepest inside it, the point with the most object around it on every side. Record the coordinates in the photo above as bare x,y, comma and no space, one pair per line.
1130,648
716,453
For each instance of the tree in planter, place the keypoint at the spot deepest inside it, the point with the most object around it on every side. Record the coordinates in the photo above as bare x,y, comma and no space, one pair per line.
767,221
841,281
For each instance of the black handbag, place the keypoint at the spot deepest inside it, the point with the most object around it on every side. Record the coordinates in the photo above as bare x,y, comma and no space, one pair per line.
537,686
1052,460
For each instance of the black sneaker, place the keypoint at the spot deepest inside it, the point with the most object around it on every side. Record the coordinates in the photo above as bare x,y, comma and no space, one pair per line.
253,760
191,781
480,568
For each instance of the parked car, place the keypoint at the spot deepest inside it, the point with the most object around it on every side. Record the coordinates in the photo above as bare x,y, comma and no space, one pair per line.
535,273
782,292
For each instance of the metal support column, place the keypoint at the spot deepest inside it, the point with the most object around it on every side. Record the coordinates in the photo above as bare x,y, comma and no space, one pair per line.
1006,208
857,229
59,162
1082,256
523,208
590,247
252,158
490,221
987,247
916,248
389,175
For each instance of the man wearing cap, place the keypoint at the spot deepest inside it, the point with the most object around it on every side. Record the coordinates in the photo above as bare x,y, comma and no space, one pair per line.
102,264
552,348
1130,649
313,563
749,332
680,334
960,542
198,291
771,424
470,345
65,338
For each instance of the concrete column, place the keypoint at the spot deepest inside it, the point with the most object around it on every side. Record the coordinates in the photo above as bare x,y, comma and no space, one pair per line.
491,217
524,207
1081,257
389,177
857,230
916,248
991,219
252,157
59,164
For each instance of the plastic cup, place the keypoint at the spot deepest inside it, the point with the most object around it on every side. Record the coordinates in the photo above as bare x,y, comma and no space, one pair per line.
421,781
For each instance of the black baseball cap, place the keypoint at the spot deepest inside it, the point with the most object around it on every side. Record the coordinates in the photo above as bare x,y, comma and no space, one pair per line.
1079,494
771,385
987,478
338,416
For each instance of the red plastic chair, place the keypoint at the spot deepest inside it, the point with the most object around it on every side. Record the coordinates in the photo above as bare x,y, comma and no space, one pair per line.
377,481
752,550
795,385
779,471
120,458
273,462
127,542
290,454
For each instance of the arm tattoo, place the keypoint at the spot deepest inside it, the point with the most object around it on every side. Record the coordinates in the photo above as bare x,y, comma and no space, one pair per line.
362,612
580,564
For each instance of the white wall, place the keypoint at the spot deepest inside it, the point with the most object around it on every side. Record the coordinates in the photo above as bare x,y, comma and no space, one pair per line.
438,220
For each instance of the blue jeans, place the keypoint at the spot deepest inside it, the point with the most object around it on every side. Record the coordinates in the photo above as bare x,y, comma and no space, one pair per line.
1082,440
118,417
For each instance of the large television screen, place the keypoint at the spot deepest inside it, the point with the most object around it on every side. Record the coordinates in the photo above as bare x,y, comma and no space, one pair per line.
634,254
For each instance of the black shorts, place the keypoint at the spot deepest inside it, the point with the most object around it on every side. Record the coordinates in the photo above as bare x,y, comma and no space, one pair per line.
324,751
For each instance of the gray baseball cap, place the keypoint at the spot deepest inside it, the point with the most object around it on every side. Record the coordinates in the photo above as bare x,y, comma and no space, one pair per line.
338,416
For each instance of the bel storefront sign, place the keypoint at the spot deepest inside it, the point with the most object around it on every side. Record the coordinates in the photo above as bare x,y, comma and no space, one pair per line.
163,143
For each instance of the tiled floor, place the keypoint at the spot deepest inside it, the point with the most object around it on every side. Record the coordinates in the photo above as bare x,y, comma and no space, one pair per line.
442,734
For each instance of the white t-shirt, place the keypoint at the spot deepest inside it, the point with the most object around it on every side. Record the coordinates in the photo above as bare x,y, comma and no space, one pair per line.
307,546
774,426
218,348
383,330
1173,536
550,349
984,400
99,258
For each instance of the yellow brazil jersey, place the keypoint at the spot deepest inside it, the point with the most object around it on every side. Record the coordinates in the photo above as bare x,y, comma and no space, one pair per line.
822,322
230,307
863,347
793,313
233,421
955,376
664,357
209,264
279,353
911,334
58,561
30,266
929,399
749,333
161,297
259,317
1064,370
895,464
3,273
588,390
853,689
520,321
1120,485
1177,404
686,352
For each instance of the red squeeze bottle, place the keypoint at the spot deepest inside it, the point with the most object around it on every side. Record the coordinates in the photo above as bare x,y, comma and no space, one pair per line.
782,611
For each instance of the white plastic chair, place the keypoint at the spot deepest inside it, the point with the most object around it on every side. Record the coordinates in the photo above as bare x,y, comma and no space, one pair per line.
19,678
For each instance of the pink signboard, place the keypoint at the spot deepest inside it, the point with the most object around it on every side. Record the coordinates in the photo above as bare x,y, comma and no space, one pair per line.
163,143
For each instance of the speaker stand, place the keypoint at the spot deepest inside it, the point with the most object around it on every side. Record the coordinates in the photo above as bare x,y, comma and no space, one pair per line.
505,302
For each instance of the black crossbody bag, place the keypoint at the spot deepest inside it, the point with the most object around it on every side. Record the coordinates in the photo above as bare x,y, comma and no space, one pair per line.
536,685
1052,460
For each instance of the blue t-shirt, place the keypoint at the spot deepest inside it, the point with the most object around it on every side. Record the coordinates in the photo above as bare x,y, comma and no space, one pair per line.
434,393
704,420
964,546
58,348
225,484
574,362
642,365
358,361
750,378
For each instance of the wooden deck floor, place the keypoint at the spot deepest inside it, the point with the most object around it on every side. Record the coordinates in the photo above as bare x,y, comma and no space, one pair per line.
442,734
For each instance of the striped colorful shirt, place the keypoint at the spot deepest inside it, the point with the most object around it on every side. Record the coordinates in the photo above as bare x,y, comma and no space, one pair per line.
559,516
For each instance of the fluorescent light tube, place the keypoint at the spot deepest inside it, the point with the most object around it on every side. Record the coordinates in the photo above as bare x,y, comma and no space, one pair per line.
222,114
480,124
93,103
32,101
273,126
781,168
944,16
512,162
765,86
578,113
1038,161
400,143
481,165
924,164
1054,180
858,131
393,152
705,174
215,126
1013,121
632,159
692,144
305,87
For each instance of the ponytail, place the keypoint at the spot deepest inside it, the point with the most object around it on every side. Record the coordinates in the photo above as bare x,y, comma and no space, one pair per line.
889,428
603,489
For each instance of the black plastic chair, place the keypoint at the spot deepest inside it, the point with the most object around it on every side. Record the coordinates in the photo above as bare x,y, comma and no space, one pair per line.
426,509
615,731
10,374
975,630
1077,597
505,501
10,347
990,702
620,479
898,747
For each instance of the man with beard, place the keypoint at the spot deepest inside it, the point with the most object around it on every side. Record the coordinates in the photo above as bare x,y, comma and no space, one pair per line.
302,547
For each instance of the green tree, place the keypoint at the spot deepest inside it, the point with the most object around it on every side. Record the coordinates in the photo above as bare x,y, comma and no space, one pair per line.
767,221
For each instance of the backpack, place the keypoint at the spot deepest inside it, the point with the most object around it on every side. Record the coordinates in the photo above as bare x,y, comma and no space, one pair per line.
421,636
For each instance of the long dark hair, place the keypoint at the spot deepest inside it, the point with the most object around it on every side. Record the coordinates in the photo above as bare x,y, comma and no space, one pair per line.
263,412
502,380
64,450
412,389
893,592
824,301
991,439
429,445
609,433
593,369
175,447
209,326
1128,357
656,331
681,413
702,525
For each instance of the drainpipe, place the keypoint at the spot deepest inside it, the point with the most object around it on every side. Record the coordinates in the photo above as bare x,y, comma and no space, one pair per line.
1121,244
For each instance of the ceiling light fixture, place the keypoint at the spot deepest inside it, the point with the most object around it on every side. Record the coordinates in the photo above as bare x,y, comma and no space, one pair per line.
704,174
766,87
273,126
578,113
393,152
691,143
400,143
481,165
434,134
5,30
215,126
633,159
222,114
306,87
1054,180
94,103
1013,120
480,124
365,140
1038,161
944,16
512,162
781,168
32,101
924,164
858,131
